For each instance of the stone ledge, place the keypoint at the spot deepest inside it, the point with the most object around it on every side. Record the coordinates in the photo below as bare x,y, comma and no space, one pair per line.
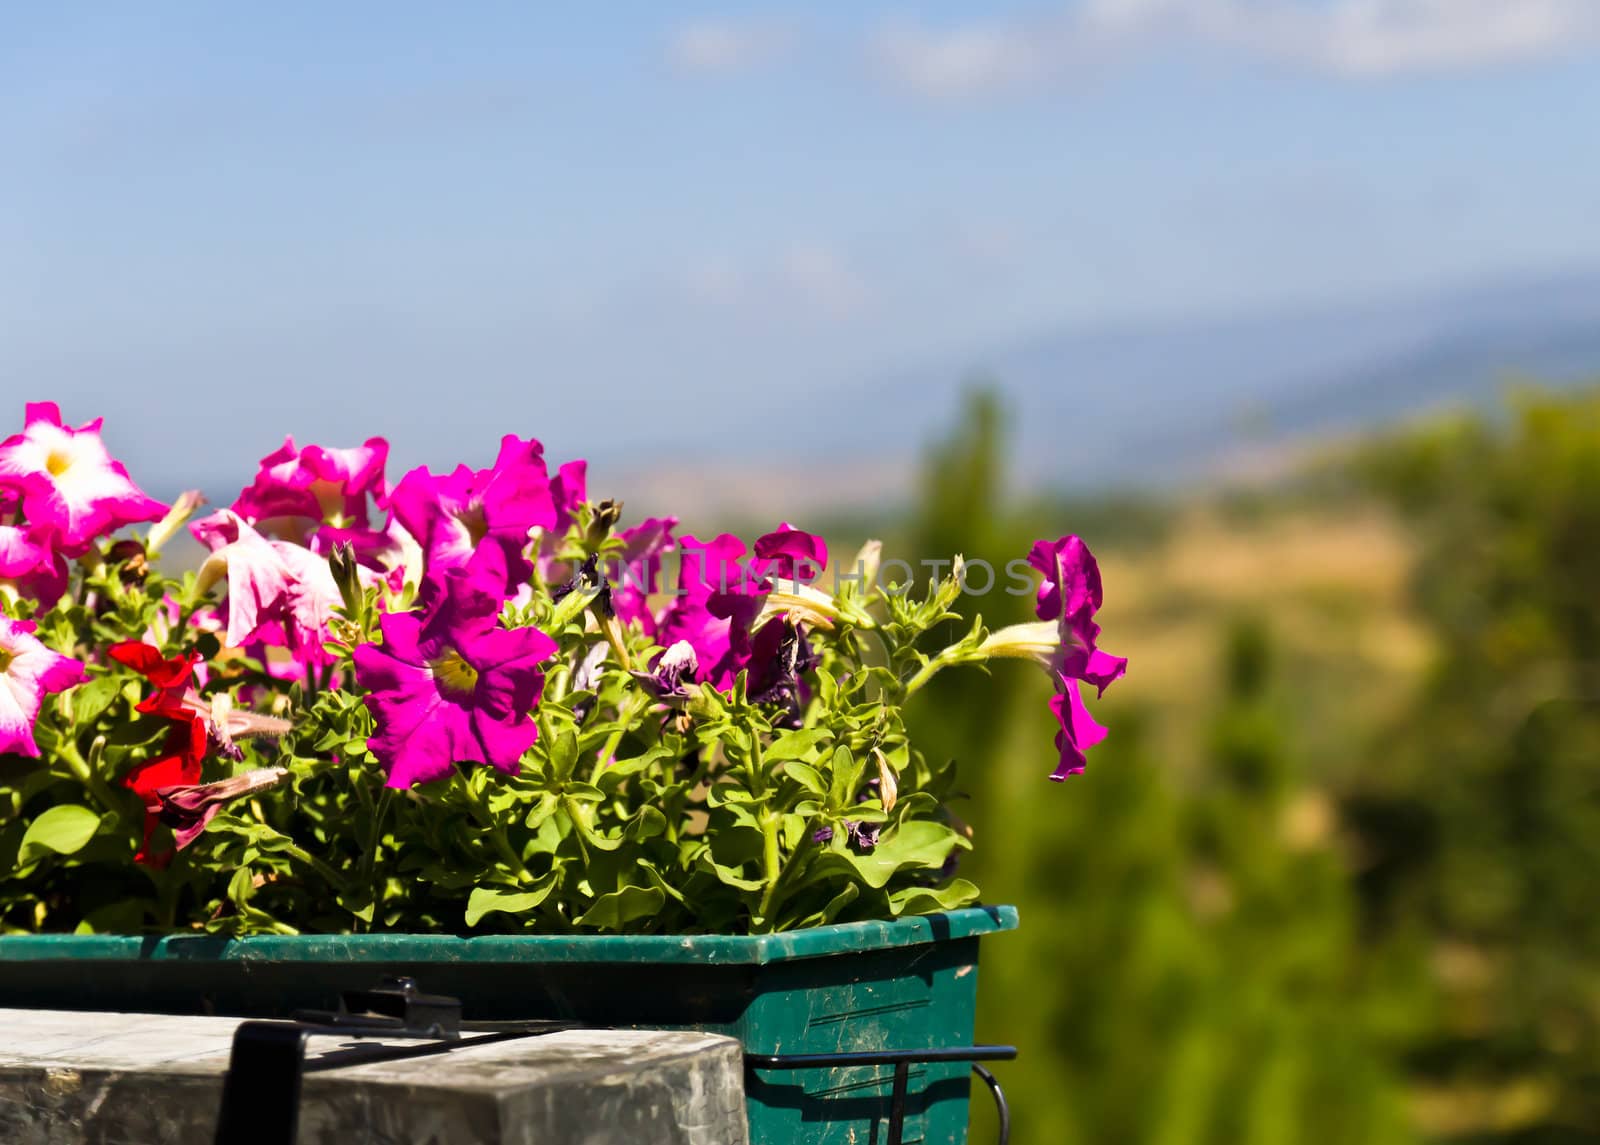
140,1079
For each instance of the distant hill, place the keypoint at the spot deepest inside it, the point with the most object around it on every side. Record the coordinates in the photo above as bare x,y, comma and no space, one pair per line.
1167,402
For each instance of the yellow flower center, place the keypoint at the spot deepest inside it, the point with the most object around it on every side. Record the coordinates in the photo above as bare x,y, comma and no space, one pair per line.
58,462
472,519
330,499
6,656
454,674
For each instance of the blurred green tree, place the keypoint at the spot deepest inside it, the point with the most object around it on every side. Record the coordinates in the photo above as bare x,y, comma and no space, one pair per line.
1480,816
1188,968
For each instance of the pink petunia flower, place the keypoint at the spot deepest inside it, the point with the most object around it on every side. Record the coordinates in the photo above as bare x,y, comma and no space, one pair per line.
278,593
569,488
28,671
450,685
457,518
66,481
31,564
326,486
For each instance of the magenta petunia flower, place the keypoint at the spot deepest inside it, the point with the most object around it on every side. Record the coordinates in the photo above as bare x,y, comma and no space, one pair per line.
1070,595
457,517
278,593
65,480
569,488
451,685
28,671
325,485
636,573
31,564
791,555
717,599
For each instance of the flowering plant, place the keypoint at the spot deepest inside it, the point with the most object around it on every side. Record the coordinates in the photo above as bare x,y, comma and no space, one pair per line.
468,702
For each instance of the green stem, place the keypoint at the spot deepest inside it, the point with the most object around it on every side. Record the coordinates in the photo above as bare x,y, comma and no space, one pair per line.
84,774
630,712
497,834
771,865
369,861
926,673
332,877
579,827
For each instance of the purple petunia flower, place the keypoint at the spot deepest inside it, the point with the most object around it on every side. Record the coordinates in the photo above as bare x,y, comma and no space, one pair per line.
451,685
863,835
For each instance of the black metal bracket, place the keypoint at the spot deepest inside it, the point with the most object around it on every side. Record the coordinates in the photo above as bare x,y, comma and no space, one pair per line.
902,1060
261,1090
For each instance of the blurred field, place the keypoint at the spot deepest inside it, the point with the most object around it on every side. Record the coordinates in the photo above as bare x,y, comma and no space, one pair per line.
1328,879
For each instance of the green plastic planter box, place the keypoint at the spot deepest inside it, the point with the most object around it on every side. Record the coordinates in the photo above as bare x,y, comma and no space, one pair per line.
909,984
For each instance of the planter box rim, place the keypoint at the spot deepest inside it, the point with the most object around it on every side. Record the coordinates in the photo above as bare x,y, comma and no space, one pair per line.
724,949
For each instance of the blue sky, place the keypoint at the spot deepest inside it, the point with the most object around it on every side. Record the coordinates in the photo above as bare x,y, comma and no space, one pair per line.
602,227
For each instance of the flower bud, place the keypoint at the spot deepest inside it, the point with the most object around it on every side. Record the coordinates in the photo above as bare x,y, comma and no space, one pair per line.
1037,640
347,576
166,528
605,516
868,559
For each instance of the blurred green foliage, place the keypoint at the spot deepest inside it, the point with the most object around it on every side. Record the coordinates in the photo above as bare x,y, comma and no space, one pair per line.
1377,940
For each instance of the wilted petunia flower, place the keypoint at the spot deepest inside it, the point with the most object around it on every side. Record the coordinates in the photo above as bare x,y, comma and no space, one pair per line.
66,480
451,685
665,679
187,808
28,671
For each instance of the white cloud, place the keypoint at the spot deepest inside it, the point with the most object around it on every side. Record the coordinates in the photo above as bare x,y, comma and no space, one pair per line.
1348,38
721,47
822,276
806,277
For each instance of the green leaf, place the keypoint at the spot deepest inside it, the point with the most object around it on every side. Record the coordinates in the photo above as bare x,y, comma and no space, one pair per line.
796,744
646,824
827,914
620,907
807,776
922,845
90,700
563,756
63,829
487,900
846,777
926,900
